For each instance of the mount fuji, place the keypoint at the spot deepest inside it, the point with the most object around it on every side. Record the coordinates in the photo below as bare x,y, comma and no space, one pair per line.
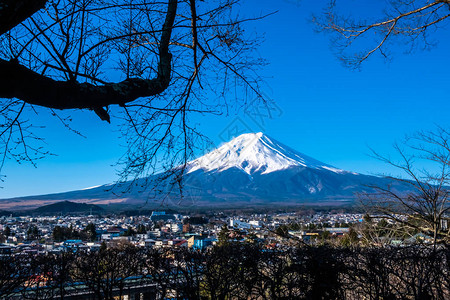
254,168
251,169
256,153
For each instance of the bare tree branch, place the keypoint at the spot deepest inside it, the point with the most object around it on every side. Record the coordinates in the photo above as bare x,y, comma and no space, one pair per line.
13,12
404,19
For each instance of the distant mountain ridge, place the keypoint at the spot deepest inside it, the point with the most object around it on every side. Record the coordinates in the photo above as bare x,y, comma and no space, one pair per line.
68,207
251,169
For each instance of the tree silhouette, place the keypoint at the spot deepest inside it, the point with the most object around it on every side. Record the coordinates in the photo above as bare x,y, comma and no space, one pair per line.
149,65
424,206
91,231
410,22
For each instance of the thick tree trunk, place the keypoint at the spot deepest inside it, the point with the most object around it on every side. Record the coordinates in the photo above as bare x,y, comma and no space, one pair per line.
13,12
17,81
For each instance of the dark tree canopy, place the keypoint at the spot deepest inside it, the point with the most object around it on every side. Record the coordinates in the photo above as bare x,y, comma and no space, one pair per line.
149,65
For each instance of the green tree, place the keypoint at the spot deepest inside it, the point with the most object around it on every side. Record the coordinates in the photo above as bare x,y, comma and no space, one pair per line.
103,246
350,239
129,232
91,231
61,233
325,235
312,226
251,238
7,231
141,229
224,235
33,232
282,231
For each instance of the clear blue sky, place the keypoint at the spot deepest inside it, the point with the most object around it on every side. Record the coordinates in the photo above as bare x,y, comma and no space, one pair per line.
324,110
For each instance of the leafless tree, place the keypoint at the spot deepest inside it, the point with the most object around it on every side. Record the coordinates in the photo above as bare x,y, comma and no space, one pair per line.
39,283
411,22
189,272
105,272
423,205
280,276
324,272
149,65
14,272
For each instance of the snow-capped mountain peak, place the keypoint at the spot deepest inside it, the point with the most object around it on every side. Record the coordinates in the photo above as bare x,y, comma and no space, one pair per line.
255,152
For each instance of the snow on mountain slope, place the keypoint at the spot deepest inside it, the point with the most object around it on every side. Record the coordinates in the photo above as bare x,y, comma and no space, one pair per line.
256,153
251,169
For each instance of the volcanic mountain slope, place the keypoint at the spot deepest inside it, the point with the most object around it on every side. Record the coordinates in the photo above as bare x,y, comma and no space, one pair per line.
250,169
256,153
255,168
